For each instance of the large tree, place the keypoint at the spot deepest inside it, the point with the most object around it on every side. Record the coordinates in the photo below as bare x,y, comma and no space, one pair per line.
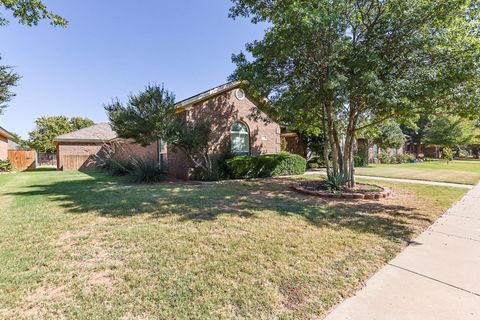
351,64
48,128
151,116
450,132
30,13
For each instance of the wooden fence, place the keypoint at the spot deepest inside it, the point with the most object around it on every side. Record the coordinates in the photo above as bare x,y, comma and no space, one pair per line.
23,159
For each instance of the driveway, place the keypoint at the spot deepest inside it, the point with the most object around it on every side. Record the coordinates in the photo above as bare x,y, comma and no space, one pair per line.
437,277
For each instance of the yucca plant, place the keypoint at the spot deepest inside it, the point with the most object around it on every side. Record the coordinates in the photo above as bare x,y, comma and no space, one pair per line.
146,171
336,181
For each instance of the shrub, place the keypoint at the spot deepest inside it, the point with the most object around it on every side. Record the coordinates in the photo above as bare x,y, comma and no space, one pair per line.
462,153
5,166
384,157
247,167
316,162
336,181
146,171
116,166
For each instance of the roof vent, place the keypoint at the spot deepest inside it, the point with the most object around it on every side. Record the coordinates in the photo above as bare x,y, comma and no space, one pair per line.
240,94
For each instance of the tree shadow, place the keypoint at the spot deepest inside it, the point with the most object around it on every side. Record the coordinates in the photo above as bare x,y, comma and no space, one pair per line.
200,202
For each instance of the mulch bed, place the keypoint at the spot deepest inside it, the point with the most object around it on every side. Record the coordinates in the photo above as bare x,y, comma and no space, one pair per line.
361,192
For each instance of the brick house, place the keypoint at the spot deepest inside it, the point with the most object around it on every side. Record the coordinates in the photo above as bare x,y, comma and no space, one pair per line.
4,136
234,130
227,108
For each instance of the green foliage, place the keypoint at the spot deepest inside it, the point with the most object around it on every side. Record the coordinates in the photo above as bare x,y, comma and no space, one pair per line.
116,166
361,62
146,117
316,162
146,171
389,135
151,115
5,166
247,167
18,140
447,154
384,157
48,128
361,158
77,123
336,181
8,79
30,12
450,131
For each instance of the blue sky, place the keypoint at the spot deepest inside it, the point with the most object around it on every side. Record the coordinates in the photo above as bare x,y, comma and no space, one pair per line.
114,47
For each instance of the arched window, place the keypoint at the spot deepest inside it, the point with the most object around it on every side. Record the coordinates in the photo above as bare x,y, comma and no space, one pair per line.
240,139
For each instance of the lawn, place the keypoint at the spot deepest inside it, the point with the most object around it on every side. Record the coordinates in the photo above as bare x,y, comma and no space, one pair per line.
466,172
81,246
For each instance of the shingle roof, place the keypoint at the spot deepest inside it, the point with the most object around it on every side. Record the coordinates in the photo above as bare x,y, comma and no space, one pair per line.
5,133
100,132
208,94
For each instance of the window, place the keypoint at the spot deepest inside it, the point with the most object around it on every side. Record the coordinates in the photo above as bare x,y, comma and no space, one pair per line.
240,139
240,94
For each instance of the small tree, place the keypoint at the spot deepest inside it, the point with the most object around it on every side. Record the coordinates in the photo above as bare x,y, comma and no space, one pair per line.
151,116
447,154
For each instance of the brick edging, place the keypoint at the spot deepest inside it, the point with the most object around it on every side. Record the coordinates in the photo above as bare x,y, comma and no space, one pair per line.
386,193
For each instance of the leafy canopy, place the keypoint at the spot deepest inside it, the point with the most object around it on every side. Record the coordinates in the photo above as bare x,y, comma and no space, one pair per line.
450,131
48,128
30,13
151,115
359,63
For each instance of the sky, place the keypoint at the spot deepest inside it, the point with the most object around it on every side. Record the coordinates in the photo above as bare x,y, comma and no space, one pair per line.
112,48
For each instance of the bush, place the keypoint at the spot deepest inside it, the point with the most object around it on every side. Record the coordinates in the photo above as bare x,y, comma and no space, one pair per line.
384,158
462,153
146,171
116,166
361,158
247,167
336,181
316,162
5,166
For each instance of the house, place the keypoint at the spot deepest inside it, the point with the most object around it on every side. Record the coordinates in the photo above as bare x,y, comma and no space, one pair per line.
228,108
83,149
4,136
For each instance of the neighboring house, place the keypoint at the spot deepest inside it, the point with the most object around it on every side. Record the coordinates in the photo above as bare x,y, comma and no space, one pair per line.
4,136
82,149
228,109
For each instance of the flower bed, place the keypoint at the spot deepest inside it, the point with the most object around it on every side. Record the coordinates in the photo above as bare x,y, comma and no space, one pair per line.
361,192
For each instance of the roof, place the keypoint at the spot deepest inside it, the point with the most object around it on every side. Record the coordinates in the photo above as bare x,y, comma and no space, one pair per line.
184,104
5,133
12,145
100,132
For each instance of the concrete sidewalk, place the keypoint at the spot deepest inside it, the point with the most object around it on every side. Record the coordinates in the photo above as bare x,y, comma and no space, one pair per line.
436,278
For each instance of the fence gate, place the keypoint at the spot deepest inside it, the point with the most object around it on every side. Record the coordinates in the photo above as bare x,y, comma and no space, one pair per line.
22,159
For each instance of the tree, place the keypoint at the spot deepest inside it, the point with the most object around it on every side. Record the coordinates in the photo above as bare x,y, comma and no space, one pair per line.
18,140
8,79
48,128
416,129
30,12
27,12
77,123
389,135
354,64
450,132
151,116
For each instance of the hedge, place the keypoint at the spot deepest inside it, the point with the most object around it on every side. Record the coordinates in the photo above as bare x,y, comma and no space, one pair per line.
247,167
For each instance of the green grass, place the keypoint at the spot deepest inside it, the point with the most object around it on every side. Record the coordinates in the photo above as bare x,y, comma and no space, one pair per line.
466,172
81,246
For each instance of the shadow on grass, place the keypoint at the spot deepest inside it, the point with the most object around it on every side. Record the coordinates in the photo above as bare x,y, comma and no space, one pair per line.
114,197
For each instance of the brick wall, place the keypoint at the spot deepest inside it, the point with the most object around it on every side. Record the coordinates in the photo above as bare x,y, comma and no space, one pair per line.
3,148
222,112
127,149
